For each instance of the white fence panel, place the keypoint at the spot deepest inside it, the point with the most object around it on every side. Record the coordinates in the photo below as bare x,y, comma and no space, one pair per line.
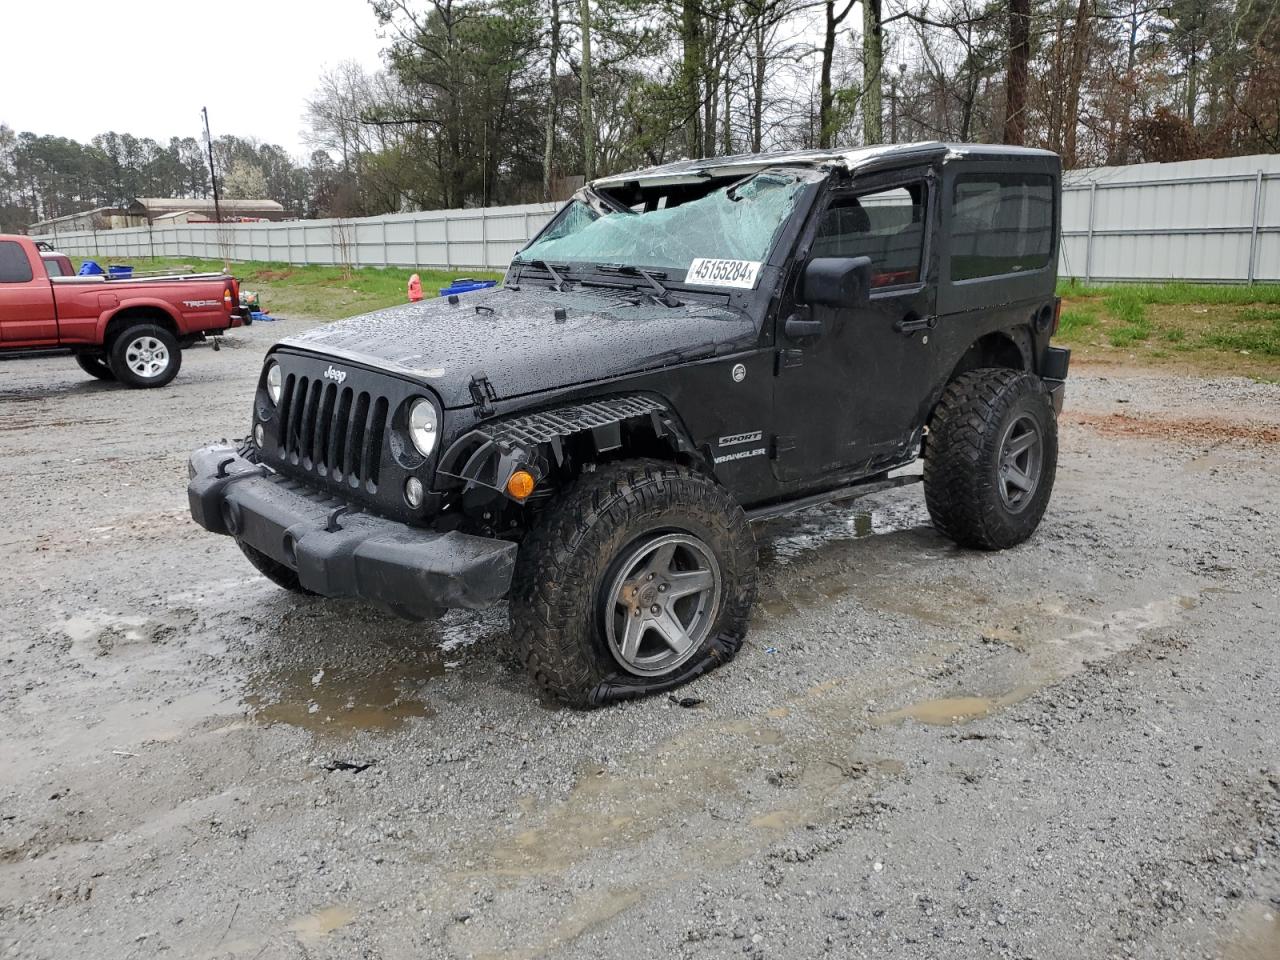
484,239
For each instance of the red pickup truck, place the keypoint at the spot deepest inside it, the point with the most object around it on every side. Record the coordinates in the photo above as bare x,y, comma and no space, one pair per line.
128,330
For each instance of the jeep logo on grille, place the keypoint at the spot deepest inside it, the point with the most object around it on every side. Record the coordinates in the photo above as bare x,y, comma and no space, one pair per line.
334,374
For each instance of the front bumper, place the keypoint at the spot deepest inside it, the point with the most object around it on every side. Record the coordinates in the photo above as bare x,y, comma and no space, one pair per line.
405,570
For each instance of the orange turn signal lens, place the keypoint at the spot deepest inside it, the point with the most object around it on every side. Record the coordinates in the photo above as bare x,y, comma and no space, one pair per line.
520,485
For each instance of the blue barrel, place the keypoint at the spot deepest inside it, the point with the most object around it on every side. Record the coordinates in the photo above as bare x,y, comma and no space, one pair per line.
90,268
120,273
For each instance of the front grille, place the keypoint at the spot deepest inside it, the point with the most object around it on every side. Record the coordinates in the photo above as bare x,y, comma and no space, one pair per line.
333,431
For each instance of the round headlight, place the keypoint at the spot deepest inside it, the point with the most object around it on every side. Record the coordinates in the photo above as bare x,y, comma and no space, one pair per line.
274,382
423,424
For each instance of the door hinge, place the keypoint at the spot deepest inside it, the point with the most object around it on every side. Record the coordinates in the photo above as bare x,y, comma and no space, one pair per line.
783,444
483,394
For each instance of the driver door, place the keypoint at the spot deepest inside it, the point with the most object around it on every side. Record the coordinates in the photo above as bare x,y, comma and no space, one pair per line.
848,398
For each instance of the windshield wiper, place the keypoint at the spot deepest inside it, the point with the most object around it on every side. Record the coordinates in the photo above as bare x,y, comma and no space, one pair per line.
559,284
661,294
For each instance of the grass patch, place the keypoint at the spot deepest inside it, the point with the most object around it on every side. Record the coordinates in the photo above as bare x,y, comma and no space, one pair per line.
1253,331
1076,320
316,291
1176,292
1130,314
1212,329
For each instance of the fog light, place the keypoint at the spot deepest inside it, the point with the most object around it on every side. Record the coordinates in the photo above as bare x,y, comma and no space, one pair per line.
520,485
413,492
259,435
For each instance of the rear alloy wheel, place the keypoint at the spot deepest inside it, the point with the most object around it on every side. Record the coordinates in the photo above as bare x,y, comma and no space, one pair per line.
95,366
990,458
145,356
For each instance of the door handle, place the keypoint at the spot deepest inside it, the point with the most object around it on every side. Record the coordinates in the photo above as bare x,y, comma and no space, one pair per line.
911,324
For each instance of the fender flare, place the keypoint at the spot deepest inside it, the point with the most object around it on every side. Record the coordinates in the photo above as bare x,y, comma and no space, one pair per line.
134,303
488,455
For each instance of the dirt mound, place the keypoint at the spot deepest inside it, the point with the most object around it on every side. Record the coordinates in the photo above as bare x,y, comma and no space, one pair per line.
1168,428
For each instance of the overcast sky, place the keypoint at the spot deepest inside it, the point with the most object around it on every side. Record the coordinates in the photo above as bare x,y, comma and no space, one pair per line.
75,68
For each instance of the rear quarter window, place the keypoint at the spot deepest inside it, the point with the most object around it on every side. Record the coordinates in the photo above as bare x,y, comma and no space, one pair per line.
14,265
1001,223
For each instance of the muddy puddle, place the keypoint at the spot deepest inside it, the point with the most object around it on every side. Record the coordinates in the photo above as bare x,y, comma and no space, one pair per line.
1256,935
813,557
342,700
1048,644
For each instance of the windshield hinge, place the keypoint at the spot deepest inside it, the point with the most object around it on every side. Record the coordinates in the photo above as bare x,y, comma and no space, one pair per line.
483,394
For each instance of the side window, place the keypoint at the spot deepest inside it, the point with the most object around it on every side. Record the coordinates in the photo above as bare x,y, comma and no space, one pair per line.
53,266
887,226
14,266
1000,223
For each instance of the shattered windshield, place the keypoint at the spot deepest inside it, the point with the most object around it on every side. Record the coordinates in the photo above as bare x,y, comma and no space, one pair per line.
738,222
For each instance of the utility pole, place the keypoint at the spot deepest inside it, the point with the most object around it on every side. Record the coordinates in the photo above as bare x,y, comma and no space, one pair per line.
217,209
213,174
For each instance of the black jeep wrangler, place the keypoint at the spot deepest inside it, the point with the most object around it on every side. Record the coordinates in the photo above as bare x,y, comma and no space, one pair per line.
680,351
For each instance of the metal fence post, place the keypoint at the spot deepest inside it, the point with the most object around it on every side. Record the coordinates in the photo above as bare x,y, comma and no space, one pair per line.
417,254
386,261
1253,235
484,239
448,248
1088,243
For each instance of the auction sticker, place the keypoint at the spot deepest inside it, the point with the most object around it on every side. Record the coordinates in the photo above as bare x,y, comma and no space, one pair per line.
706,272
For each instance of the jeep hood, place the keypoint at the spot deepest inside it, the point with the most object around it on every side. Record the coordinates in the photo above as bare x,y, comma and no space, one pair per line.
532,339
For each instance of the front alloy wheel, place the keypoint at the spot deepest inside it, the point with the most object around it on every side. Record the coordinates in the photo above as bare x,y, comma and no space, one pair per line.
662,603
638,577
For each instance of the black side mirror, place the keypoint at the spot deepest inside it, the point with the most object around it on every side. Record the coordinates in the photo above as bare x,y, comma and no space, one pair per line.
837,281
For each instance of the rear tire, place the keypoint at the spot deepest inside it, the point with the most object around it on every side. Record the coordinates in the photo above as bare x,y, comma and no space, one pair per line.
95,366
145,355
991,458
639,578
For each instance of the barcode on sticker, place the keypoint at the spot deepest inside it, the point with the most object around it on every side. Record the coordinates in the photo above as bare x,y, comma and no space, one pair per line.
708,272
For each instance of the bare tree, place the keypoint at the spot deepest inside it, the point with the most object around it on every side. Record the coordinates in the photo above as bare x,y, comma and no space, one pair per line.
1015,84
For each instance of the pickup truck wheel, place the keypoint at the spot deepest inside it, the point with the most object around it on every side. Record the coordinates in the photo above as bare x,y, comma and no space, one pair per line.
94,366
639,578
991,457
145,355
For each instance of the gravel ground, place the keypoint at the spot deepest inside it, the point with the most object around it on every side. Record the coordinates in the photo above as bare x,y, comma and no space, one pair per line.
1066,750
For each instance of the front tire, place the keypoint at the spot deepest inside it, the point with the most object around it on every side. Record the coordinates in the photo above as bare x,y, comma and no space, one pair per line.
991,458
639,578
145,355
95,366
